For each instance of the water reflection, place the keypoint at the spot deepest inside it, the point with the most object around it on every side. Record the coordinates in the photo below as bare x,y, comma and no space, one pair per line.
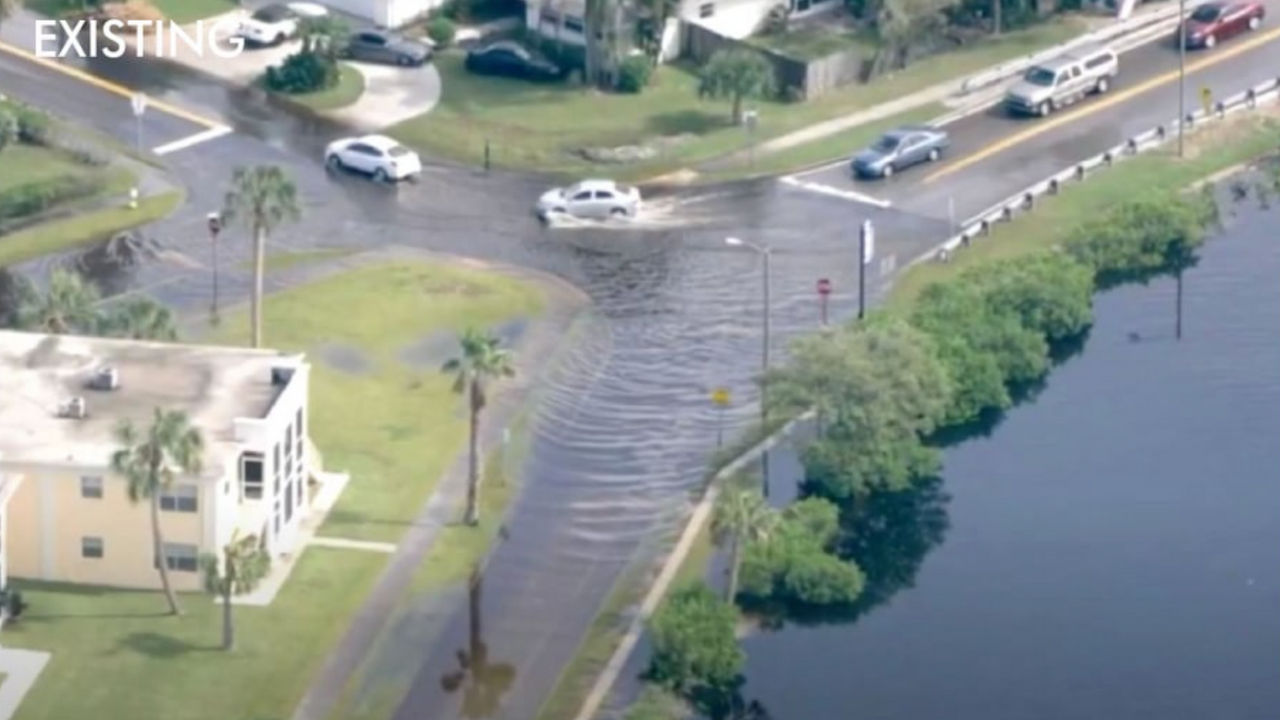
482,682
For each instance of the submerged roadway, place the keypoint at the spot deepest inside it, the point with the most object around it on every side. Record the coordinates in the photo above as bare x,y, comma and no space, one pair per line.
624,428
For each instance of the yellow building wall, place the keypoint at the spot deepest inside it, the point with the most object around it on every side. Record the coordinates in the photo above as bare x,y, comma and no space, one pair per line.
53,496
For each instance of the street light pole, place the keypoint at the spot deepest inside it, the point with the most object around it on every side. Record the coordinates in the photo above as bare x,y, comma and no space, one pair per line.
215,227
767,253
1182,77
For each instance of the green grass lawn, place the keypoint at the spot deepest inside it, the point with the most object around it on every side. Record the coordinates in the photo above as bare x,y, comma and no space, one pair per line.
407,425
287,260
541,127
348,90
29,164
115,655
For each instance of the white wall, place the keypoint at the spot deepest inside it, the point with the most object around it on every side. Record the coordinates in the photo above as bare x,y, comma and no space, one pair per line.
386,13
736,19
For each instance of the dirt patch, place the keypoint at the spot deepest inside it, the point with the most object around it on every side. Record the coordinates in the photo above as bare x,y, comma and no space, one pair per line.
1213,135
344,358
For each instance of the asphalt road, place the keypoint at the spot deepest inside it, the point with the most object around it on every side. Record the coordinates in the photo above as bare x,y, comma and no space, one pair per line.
994,155
624,431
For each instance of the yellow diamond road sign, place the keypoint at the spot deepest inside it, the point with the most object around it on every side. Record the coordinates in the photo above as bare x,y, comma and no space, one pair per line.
720,396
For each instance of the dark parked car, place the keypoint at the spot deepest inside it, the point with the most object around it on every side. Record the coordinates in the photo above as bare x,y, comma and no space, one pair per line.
1216,21
900,149
511,59
384,47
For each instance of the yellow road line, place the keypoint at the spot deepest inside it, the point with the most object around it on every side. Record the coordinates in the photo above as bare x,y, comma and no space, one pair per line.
1040,128
108,86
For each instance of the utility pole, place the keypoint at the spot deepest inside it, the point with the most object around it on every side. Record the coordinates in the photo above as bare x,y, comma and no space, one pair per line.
766,253
215,227
1182,78
866,249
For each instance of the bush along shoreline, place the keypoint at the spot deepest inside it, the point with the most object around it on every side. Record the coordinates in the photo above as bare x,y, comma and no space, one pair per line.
888,393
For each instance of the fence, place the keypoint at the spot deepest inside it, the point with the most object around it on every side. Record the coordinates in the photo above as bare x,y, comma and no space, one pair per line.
1025,200
799,79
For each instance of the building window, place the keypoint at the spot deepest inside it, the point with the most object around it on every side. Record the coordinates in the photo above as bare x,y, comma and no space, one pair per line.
275,456
183,498
288,503
91,547
251,475
550,16
706,10
288,443
575,25
181,557
91,486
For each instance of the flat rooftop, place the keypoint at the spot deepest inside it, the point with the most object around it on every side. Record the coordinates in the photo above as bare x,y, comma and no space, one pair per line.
39,374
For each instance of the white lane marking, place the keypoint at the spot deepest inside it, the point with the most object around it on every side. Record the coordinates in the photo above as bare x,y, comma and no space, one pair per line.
836,192
186,142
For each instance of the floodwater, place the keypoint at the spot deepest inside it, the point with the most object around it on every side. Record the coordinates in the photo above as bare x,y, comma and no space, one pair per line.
1110,552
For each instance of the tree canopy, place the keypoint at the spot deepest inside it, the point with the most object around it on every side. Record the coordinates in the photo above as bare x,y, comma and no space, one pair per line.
796,563
736,75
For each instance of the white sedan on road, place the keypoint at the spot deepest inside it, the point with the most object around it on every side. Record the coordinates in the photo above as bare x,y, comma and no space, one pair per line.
590,199
273,24
377,155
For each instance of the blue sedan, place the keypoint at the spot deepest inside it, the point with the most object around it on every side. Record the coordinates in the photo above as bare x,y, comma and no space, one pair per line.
900,149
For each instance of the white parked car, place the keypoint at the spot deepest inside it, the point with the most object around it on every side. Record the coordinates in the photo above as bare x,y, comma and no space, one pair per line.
590,199
377,155
273,24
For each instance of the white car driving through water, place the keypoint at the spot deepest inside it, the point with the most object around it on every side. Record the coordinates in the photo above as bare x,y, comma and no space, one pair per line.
590,199
376,155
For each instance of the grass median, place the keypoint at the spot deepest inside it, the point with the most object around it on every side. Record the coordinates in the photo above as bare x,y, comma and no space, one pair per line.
380,334
544,127
81,230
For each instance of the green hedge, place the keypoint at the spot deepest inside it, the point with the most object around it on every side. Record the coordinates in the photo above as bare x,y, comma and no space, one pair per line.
34,126
34,198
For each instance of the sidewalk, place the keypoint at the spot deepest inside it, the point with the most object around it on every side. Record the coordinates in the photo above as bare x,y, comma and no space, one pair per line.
964,95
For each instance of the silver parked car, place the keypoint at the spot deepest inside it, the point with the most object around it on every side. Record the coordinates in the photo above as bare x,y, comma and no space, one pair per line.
590,199
1054,84
899,149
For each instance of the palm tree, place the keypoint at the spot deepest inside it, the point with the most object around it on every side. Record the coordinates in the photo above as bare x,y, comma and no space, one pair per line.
481,361
262,198
244,563
69,306
741,517
485,682
150,463
141,318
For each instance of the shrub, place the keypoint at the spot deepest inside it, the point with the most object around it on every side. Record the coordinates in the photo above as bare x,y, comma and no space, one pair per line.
37,197
34,127
12,603
794,564
693,640
441,30
303,72
1143,235
634,74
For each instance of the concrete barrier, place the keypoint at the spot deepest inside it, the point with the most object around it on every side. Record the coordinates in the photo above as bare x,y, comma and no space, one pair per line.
1024,200
1146,22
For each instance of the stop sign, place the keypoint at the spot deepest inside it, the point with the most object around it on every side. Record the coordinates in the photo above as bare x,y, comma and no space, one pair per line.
824,286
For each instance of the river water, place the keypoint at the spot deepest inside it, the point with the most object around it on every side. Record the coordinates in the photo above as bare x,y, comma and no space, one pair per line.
1110,552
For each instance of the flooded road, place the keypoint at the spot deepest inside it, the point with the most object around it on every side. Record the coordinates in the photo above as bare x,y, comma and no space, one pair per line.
1110,551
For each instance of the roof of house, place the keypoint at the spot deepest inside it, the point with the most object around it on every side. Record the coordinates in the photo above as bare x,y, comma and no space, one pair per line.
40,374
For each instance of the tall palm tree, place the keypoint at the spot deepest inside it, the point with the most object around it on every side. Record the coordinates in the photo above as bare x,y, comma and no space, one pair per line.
741,517
150,461
68,307
142,318
481,362
261,198
244,563
485,683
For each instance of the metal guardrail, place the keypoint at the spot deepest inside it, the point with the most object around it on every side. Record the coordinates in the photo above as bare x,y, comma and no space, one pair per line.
1132,25
1024,201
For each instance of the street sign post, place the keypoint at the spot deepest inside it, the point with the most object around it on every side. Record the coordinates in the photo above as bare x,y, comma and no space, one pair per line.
720,397
866,251
750,119
824,292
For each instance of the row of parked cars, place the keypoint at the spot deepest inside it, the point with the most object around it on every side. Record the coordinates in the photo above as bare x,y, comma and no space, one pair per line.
1055,84
275,24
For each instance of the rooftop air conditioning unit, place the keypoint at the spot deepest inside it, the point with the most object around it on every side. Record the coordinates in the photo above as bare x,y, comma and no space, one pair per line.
107,378
75,409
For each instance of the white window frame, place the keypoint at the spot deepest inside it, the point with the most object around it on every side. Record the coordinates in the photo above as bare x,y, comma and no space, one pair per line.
184,498
92,487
